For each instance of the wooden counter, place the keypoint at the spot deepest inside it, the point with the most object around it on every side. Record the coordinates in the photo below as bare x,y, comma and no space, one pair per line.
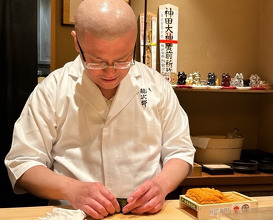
170,211
256,184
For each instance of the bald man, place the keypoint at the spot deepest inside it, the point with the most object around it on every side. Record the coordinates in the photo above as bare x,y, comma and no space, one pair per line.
102,127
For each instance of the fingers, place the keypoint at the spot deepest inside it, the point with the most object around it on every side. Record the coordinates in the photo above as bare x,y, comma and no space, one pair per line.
138,197
151,207
96,200
110,202
104,203
156,209
140,191
96,211
148,198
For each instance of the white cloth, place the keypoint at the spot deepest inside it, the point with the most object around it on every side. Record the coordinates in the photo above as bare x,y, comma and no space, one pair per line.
64,214
66,126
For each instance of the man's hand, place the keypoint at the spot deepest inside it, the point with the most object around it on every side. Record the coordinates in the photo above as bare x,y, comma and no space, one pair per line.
150,196
147,198
94,199
91,197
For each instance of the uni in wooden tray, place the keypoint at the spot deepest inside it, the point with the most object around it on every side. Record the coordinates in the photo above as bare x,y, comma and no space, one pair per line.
239,203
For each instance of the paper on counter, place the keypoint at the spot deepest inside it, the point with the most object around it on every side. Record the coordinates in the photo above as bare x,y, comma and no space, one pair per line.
201,142
217,166
64,214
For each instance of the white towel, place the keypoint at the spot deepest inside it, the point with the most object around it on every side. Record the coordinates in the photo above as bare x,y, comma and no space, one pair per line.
64,214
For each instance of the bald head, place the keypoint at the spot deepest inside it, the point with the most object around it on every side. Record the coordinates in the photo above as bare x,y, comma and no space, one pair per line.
105,19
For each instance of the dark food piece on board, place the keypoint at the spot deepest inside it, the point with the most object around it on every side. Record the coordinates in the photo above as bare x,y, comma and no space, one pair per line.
122,202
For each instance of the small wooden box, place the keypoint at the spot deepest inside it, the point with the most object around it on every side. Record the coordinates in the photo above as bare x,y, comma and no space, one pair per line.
211,211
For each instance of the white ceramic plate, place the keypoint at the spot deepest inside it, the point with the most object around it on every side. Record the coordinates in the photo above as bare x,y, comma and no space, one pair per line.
244,88
214,87
199,87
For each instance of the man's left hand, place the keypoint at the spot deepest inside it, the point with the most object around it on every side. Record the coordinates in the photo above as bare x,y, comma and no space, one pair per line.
147,198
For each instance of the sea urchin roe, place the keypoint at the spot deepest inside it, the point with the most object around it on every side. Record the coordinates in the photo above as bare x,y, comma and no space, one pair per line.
206,195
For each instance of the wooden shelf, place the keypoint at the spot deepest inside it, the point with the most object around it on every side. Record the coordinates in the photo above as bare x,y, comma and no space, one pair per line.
224,90
251,184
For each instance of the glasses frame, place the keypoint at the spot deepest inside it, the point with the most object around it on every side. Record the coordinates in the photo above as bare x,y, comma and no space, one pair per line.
101,66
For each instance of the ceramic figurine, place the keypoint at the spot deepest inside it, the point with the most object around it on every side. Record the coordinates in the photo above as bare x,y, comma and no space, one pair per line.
225,79
189,80
196,78
211,81
182,77
254,80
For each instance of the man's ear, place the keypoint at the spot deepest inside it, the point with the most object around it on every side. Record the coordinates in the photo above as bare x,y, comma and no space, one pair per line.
74,35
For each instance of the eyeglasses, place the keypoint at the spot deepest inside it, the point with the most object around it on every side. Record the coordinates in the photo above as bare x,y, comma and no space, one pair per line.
104,65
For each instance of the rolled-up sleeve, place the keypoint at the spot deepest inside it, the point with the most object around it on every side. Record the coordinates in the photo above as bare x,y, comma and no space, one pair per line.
175,127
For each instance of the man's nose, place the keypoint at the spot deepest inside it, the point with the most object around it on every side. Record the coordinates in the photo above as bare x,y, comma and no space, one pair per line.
110,69
111,66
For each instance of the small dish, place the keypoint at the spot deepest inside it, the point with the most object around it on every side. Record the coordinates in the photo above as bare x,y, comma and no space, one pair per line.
214,87
244,88
184,86
229,87
199,87
266,165
258,88
245,166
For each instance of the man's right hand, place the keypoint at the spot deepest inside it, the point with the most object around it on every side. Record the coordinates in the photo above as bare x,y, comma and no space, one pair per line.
93,198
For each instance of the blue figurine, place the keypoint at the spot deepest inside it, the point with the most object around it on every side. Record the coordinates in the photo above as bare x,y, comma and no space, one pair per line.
211,81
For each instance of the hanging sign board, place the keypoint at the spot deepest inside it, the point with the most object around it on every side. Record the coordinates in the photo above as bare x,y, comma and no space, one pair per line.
168,38
151,38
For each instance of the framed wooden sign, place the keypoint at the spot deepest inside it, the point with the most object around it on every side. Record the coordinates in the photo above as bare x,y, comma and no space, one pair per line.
69,10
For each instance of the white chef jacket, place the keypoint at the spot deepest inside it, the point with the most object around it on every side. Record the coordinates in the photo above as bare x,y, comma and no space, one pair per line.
67,126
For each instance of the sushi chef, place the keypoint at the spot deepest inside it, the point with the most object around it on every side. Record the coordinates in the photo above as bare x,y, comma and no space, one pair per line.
102,127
